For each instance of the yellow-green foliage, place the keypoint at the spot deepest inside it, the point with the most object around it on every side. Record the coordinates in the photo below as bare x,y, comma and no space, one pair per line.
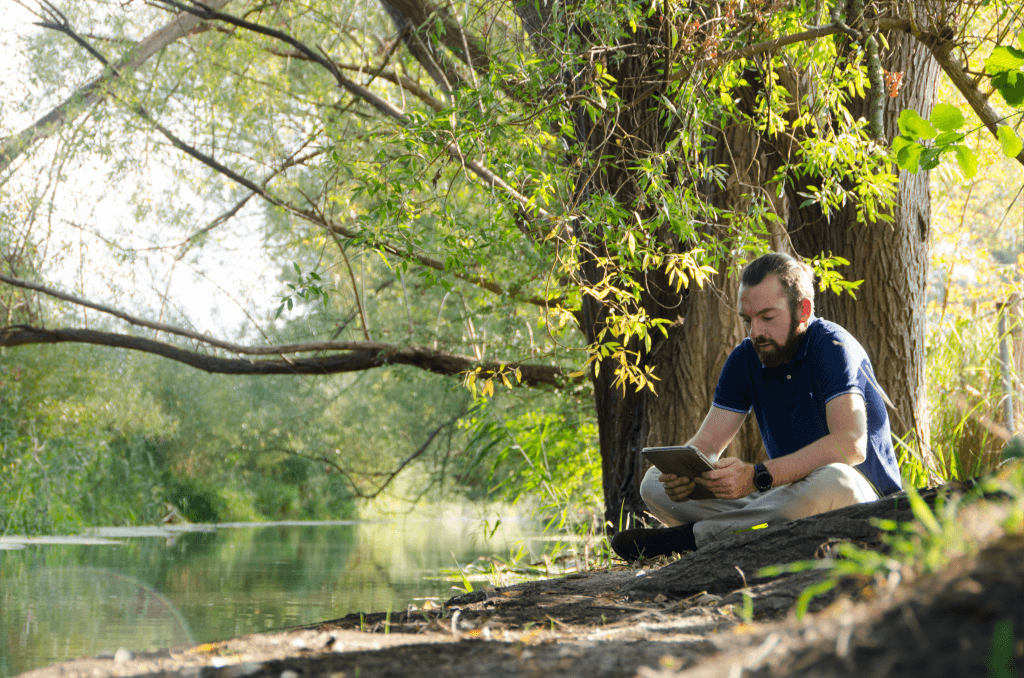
977,259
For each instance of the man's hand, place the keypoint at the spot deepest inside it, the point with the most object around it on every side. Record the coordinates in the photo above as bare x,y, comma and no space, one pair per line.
731,479
677,488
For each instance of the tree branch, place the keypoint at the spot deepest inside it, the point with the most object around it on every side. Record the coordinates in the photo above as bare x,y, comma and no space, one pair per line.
359,356
389,476
942,50
421,14
527,208
262,191
96,90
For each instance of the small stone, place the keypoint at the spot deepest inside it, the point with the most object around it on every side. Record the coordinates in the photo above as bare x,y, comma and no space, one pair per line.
660,598
123,655
239,670
289,674
708,598
250,668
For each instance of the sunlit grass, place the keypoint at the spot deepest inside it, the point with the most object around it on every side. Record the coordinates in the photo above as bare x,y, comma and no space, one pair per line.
968,431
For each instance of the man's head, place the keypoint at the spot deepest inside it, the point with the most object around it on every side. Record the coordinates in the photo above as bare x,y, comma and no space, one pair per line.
776,302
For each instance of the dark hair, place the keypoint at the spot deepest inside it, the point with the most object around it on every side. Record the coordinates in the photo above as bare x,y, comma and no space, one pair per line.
797,278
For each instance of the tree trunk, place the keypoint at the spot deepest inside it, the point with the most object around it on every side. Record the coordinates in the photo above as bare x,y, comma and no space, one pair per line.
888,315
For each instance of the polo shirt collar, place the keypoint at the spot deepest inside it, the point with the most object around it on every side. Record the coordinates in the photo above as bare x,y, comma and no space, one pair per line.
802,351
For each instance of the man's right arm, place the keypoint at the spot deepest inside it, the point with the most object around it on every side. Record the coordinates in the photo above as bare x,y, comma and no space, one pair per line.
717,431
719,428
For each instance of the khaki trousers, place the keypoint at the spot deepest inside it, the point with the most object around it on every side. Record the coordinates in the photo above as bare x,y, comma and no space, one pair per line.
824,489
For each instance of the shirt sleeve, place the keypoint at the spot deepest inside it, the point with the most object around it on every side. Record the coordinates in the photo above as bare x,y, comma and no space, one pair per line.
733,391
840,367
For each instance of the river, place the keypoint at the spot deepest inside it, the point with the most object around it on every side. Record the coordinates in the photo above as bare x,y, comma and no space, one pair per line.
151,587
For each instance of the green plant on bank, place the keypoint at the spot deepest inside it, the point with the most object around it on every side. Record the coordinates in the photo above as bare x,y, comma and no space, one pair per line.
112,441
921,547
546,462
965,393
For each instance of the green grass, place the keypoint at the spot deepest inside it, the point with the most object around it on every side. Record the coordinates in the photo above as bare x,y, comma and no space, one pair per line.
923,546
965,393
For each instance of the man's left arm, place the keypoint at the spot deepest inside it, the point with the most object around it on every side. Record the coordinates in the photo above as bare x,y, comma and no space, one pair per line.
846,443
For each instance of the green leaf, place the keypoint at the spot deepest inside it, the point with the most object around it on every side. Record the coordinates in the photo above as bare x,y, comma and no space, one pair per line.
949,138
1000,658
899,143
967,159
1010,142
1011,87
914,126
947,118
930,158
907,158
922,512
1002,59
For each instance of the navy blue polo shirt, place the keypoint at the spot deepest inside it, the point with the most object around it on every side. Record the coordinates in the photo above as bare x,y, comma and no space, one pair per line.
789,400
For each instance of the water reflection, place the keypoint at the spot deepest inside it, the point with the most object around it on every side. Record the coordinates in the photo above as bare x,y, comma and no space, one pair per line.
143,588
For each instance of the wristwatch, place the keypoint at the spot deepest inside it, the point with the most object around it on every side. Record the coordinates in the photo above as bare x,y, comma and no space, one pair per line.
762,478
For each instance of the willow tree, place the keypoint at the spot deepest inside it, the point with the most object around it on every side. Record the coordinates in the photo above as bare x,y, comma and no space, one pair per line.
589,174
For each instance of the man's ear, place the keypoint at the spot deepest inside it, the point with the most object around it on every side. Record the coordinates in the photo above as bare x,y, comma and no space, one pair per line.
805,310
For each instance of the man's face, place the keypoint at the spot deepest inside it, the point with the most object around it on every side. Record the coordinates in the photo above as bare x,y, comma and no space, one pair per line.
774,330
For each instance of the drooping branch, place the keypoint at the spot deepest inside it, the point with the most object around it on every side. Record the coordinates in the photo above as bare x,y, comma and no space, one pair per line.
527,208
127,317
188,334
380,72
263,191
357,356
388,476
95,91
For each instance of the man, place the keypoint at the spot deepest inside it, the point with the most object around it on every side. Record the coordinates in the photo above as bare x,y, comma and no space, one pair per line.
821,414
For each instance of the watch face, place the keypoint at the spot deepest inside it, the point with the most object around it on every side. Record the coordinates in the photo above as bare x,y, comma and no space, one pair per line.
762,479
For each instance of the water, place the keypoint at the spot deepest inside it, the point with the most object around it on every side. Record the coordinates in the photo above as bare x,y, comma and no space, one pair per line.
146,588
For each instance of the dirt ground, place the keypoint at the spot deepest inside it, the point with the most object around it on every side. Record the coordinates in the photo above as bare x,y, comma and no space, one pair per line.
706,614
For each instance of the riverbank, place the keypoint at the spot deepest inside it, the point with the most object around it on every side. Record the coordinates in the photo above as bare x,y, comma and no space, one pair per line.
709,613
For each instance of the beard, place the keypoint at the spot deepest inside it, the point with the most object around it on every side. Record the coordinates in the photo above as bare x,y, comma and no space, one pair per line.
771,353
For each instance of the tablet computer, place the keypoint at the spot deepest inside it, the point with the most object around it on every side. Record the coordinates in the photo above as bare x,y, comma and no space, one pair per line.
682,461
